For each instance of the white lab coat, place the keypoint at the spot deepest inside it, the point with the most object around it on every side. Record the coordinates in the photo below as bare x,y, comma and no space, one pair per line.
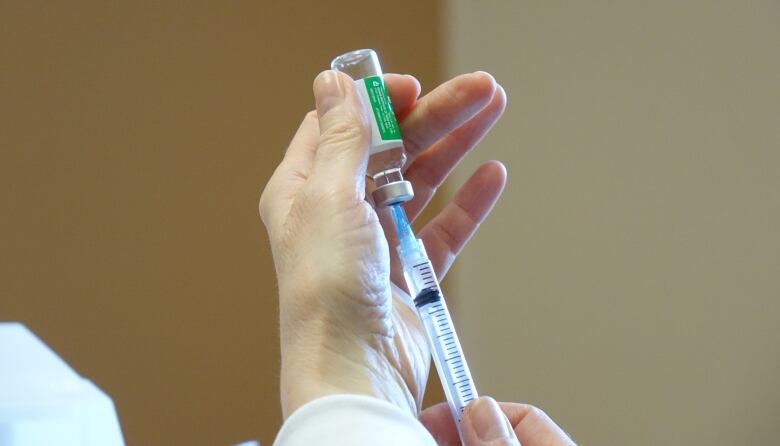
351,420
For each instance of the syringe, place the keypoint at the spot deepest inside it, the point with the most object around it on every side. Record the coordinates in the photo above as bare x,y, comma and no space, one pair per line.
424,288
386,160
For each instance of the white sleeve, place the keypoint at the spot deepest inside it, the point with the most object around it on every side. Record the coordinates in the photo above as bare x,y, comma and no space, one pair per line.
348,420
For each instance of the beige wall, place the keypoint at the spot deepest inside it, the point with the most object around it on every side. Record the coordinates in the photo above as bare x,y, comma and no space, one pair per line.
629,282
134,141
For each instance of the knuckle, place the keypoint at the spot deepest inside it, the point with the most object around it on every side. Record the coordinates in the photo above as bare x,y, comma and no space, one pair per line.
446,235
263,213
263,206
344,131
536,412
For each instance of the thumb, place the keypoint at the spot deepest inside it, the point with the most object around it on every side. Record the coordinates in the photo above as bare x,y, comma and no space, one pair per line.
342,152
484,423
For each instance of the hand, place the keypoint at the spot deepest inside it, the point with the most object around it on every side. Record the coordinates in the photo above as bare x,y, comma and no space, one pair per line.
345,326
486,422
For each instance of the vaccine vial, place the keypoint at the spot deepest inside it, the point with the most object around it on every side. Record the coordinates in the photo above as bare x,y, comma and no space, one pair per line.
386,152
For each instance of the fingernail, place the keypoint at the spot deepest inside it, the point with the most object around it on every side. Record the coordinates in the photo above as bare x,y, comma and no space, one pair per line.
485,73
488,420
328,91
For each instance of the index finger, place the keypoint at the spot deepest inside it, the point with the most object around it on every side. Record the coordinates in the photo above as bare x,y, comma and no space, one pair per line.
403,90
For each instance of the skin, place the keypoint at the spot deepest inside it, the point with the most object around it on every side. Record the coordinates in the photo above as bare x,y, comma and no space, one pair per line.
346,322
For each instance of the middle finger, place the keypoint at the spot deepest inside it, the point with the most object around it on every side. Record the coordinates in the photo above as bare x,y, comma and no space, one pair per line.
445,109
434,165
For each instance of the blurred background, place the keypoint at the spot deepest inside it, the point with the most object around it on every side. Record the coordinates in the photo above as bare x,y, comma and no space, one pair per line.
633,283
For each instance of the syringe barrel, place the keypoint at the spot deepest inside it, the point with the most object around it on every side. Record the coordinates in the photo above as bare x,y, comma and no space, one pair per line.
418,270
451,366
386,150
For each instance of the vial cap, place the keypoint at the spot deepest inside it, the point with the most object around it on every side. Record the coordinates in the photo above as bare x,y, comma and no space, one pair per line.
393,193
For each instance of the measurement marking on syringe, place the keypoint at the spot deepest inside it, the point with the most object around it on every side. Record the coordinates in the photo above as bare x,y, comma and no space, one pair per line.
430,305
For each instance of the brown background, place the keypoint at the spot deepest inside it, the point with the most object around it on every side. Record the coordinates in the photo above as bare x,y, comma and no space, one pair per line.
134,141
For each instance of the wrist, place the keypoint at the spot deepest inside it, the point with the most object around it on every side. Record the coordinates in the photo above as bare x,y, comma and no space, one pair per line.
314,366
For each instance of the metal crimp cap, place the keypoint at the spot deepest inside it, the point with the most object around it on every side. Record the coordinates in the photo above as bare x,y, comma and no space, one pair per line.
391,188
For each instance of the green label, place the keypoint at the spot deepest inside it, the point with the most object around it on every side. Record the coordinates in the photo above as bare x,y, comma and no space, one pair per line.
383,109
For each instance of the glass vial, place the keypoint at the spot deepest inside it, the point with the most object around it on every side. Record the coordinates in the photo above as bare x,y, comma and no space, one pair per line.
386,152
